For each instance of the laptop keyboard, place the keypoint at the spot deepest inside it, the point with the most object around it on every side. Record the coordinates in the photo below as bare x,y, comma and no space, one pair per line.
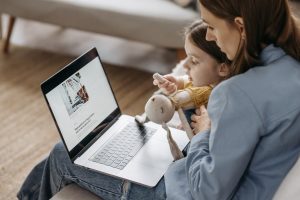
124,146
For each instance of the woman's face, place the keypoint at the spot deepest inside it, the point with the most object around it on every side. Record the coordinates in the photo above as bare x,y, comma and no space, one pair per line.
227,36
202,69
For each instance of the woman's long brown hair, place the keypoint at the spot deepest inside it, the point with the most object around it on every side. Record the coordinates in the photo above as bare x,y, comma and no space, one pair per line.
266,22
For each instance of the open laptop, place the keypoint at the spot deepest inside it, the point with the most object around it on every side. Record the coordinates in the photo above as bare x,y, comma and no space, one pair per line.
95,133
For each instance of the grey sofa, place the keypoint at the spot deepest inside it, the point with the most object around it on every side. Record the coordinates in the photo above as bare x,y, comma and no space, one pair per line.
158,22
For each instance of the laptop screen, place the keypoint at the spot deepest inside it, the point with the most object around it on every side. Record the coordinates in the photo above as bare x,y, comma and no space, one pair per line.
81,101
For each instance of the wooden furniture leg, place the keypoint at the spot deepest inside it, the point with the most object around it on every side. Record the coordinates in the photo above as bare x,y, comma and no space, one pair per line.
180,54
11,23
0,26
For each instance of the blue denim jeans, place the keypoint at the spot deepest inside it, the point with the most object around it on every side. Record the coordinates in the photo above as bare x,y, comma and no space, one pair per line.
57,170
188,114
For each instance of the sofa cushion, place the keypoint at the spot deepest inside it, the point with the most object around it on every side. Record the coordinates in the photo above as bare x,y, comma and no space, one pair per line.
183,3
158,22
290,186
74,192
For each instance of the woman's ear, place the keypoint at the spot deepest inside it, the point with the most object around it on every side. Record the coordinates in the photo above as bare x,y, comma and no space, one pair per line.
223,70
240,25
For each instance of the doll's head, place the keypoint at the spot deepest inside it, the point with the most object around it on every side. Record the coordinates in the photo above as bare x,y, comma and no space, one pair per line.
159,109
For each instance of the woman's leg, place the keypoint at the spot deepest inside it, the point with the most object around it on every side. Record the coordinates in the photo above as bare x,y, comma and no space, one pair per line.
49,176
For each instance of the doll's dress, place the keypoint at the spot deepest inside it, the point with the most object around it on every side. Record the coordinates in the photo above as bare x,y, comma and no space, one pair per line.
199,96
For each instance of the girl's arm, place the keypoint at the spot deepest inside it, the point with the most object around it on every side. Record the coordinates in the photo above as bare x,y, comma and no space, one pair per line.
169,83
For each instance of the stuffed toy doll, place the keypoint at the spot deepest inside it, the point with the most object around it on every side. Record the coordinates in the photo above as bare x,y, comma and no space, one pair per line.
161,108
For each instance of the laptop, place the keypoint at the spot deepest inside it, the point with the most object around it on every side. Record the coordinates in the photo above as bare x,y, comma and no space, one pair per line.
96,134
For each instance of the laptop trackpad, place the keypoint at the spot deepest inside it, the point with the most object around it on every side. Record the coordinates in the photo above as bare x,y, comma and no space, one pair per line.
150,163
155,153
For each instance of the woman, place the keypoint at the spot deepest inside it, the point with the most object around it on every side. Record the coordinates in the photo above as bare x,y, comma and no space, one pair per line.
248,138
254,136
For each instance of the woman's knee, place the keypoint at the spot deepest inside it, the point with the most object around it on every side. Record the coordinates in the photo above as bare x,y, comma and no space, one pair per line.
59,150
59,155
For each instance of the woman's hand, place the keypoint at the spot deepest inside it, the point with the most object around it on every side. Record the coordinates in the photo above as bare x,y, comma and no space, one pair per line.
170,84
200,120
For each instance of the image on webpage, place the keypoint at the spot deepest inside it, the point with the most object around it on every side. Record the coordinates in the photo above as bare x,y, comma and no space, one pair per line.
73,93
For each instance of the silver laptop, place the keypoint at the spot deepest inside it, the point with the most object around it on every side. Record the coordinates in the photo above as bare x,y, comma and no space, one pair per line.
95,133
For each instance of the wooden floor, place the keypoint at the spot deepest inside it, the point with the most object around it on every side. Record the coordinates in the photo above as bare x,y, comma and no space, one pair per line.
27,130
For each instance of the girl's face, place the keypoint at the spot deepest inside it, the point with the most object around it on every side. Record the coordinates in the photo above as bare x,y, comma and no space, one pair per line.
227,36
202,69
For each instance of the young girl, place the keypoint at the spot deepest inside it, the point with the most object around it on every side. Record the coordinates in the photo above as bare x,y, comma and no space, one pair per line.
205,64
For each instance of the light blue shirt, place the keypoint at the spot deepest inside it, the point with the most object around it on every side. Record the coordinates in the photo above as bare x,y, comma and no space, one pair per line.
254,138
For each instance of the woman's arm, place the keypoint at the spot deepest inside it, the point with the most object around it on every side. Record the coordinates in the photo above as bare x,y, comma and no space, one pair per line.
218,158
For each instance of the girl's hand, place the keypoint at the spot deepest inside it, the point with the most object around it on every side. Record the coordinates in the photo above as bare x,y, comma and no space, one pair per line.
200,120
169,85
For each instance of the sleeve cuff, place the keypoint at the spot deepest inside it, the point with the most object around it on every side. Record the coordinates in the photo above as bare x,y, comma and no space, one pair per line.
200,140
